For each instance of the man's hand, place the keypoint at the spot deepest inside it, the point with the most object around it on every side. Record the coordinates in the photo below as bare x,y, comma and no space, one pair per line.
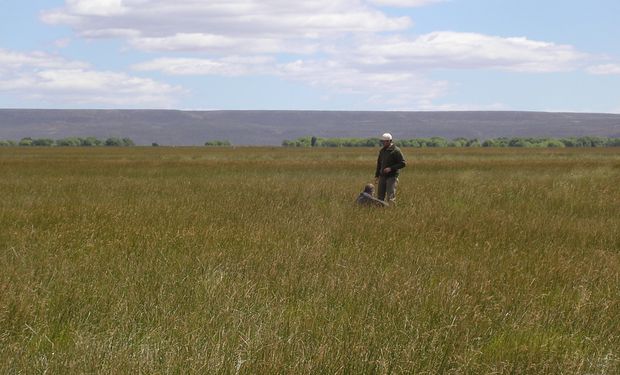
387,170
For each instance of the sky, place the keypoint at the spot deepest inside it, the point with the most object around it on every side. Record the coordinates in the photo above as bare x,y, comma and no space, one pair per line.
392,55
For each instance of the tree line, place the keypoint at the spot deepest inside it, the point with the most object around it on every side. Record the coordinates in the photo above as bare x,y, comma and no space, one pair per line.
70,142
312,141
88,142
218,143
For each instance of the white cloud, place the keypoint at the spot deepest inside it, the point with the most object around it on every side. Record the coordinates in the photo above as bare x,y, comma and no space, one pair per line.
389,70
45,78
394,89
230,66
96,7
124,33
10,61
604,69
404,3
185,41
221,44
345,45
222,26
456,50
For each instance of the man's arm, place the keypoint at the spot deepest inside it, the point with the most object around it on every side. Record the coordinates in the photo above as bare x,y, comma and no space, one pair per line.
400,162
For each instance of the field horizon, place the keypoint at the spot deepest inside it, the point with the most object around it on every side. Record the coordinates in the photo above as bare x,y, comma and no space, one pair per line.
271,127
255,260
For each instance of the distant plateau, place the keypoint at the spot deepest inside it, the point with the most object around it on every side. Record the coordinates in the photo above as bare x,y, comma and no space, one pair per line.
262,128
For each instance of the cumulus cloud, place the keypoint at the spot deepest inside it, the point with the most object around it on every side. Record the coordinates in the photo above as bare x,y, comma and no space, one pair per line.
42,77
454,50
213,26
391,70
342,45
229,66
11,61
604,69
96,7
219,44
404,3
402,89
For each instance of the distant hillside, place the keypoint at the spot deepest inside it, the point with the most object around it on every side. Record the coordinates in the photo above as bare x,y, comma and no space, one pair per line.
171,127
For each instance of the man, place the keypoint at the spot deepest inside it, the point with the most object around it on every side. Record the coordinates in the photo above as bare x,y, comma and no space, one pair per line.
389,164
366,197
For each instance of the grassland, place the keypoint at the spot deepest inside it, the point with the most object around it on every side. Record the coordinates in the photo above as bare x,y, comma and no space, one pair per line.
255,260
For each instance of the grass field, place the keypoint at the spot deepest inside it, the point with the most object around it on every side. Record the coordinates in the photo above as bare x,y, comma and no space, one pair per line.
255,260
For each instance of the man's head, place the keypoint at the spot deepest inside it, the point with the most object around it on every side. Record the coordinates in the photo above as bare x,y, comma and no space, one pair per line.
386,139
369,189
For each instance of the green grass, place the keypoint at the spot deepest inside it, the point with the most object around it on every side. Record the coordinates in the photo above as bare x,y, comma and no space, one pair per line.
255,260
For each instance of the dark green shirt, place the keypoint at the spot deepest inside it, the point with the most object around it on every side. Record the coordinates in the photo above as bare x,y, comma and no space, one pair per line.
391,157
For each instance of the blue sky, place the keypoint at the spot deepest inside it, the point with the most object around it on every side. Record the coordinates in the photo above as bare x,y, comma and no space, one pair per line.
316,55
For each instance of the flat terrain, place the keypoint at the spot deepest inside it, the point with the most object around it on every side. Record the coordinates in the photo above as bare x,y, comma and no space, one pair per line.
255,260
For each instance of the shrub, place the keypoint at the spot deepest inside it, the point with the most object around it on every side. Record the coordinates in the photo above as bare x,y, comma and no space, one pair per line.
217,143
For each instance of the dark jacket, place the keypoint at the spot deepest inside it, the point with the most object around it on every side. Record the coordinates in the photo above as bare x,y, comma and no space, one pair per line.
391,157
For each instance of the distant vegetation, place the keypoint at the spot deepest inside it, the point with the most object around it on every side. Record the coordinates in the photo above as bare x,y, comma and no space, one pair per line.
311,141
457,142
69,142
87,142
217,143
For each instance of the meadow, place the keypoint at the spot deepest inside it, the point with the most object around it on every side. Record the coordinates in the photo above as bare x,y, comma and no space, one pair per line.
161,260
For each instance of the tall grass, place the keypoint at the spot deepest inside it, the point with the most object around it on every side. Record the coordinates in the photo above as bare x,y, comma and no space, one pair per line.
255,260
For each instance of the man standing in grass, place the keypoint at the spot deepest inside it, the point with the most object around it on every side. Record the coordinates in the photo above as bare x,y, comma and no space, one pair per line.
389,164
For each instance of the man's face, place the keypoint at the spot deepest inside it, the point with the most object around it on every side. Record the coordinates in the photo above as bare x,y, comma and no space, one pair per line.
386,143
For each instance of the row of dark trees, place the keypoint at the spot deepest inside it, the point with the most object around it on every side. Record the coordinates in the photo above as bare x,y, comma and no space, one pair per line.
457,142
86,142
70,142
311,141
217,143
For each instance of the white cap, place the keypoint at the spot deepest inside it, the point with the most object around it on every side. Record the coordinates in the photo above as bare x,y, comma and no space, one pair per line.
386,137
